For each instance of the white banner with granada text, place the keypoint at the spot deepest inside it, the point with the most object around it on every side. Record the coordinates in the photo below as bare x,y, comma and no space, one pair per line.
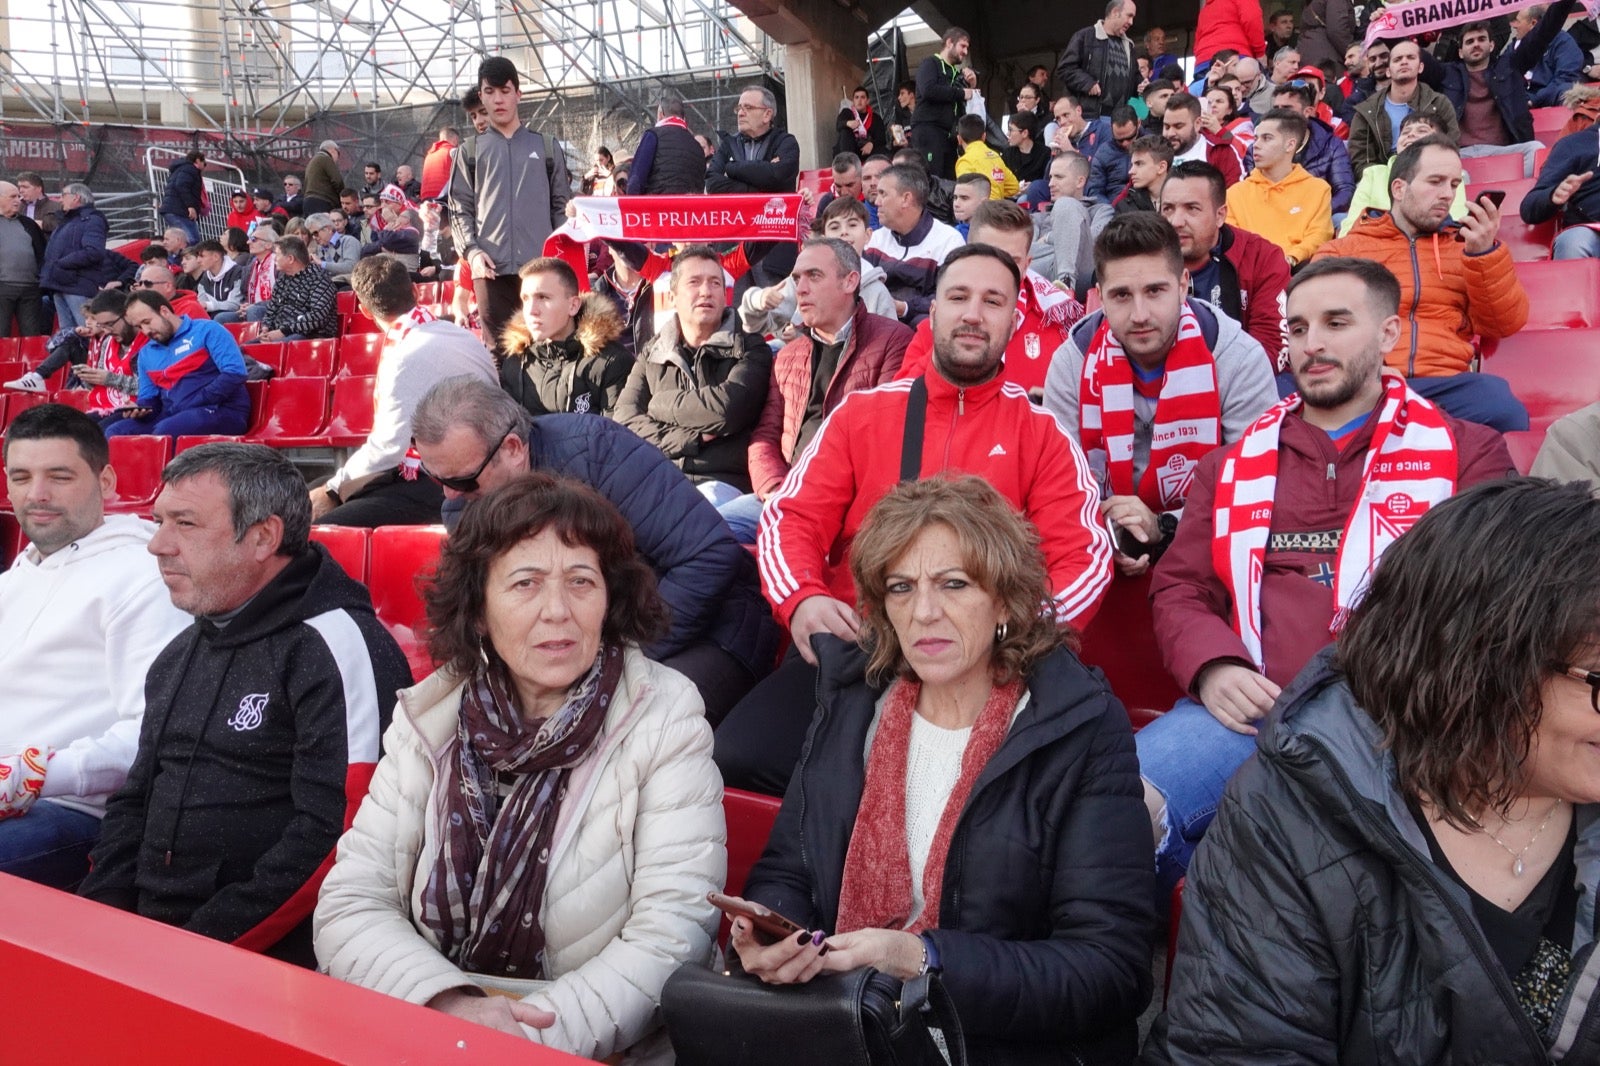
1413,17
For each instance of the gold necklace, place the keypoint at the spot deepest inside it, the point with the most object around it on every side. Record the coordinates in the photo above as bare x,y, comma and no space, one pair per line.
1516,856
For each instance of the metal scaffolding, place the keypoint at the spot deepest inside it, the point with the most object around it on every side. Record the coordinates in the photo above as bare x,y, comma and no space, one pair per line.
255,68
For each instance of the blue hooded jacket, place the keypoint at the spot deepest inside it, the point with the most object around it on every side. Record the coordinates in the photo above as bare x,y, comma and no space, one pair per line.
201,366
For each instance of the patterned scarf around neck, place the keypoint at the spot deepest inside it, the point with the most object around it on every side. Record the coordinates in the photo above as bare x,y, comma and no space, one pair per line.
876,889
483,897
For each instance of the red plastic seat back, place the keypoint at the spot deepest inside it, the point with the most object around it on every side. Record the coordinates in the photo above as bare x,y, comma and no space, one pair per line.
1552,371
18,402
400,560
1527,243
242,331
358,354
1562,294
11,347
77,399
292,407
138,462
33,349
1121,641
351,413
1489,168
183,444
1547,122
750,817
309,359
347,545
269,352
1523,446
347,304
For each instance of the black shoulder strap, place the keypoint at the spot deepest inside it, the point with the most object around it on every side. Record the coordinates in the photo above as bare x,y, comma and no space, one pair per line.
911,438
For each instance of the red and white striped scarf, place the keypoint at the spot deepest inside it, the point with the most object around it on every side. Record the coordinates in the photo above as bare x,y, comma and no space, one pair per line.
1188,419
1410,466
263,276
106,352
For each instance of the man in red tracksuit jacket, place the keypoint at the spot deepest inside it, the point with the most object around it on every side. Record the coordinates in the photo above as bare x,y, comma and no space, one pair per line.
975,423
1322,474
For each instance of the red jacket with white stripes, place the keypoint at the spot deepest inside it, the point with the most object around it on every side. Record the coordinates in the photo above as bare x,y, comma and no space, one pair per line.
989,430
1045,317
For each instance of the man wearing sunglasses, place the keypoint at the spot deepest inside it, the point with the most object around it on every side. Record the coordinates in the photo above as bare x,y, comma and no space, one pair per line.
379,485
473,438
157,278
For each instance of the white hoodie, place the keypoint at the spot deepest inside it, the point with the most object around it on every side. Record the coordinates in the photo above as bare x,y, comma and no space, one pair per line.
78,631
757,319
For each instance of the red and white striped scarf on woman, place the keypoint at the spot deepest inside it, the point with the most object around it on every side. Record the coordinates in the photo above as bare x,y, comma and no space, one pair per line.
263,276
1188,419
1410,465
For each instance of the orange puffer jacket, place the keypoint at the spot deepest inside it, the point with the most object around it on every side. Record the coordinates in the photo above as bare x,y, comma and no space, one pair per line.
1446,295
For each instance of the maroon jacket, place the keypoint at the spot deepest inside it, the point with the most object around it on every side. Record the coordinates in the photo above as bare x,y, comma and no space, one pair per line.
871,356
1192,605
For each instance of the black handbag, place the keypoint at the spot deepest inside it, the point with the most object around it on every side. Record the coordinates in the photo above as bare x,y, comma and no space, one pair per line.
860,1018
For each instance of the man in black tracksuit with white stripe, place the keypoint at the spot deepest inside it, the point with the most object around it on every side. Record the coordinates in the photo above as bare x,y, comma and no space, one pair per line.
262,720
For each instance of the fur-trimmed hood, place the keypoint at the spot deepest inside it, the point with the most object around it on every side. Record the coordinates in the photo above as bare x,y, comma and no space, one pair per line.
599,323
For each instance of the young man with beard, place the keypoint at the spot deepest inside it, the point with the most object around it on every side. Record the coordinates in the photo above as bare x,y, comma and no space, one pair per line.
1152,382
191,375
1375,127
1239,272
1281,530
972,421
1454,290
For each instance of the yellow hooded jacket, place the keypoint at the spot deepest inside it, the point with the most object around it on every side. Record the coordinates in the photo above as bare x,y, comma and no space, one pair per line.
1296,213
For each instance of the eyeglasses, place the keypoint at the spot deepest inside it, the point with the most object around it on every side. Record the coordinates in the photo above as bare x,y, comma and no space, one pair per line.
1588,677
145,284
1129,139
469,482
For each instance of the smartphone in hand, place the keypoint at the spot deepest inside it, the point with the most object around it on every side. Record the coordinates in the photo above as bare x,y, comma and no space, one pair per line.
771,925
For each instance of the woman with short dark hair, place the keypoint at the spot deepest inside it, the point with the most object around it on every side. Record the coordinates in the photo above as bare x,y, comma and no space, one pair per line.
1406,871
546,821
969,798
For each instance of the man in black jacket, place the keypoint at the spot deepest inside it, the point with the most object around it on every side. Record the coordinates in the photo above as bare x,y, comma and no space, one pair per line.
943,89
184,200
760,157
1098,66
473,438
262,720
668,159
1490,93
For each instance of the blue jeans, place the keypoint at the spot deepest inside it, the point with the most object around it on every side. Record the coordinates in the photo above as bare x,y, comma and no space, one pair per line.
1187,756
69,309
228,421
49,844
1481,398
1579,242
185,223
743,515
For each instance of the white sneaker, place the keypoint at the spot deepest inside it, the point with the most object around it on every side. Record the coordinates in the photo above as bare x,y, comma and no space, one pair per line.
29,382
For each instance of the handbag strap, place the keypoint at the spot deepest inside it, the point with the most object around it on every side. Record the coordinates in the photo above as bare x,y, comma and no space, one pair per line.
926,994
911,436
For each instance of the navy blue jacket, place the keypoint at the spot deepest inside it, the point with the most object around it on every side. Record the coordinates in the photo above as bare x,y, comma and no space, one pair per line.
1505,73
75,261
1108,173
1048,901
1575,153
1559,70
184,185
1325,157
707,578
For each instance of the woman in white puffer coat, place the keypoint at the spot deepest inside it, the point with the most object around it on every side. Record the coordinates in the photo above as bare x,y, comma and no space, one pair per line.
546,820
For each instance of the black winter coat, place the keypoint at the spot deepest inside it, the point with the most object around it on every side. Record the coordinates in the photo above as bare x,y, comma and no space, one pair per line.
676,397
1048,906
769,163
707,578
584,373
1506,74
184,187
257,744
1083,65
1317,929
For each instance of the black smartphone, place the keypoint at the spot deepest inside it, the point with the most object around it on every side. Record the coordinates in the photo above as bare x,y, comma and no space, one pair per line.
1494,196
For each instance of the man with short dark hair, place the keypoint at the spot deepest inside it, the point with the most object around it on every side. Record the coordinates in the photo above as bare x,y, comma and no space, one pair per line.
697,389
103,359
972,189
668,160
1468,290
35,204
473,438
1375,126
1180,127
304,303
944,85
191,375
1064,251
82,615
1280,531
847,167
1149,159
1280,31
1108,169
373,180
1152,382
1322,152
910,243
221,283
477,114
976,157
262,720
183,202
1097,66
563,349
508,193
1239,272
1279,200
379,485
974,422
860,129
21,255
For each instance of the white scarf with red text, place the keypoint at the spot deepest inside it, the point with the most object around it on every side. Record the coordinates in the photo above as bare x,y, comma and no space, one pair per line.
1410,466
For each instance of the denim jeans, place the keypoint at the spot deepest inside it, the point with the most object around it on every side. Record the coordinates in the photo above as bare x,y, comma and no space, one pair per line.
69,309
49,844
743,515
1579,242
185,223
1481,398
1187,756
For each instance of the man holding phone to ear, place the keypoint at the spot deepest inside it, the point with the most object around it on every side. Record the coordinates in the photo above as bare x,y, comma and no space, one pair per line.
1457,276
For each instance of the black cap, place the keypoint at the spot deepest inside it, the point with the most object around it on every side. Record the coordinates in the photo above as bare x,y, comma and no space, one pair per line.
261,194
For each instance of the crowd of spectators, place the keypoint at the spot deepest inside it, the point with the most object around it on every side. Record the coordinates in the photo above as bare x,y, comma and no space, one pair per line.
825,520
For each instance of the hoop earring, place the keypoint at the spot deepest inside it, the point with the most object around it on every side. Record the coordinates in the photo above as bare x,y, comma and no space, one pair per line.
1000,632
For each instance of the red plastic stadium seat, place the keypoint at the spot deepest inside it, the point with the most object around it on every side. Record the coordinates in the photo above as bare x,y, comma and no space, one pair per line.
138,462
347,545
242,331
17,402
1538,160
1564,294
398,559
351,413
347,303
11,538
1547,122
183,444
1121,641
358,355
10,347
1527,243
1552,371
1484,169
258,404
294,411
750,816
1523,446
11,369
309,359
427,292
357,323
131,249
33,349
77,399
269,352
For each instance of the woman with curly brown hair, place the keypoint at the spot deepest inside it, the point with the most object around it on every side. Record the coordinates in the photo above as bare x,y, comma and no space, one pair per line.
1407,869
546,821
969,798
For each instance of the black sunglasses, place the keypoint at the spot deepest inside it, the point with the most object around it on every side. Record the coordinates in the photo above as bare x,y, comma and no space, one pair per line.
469,482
